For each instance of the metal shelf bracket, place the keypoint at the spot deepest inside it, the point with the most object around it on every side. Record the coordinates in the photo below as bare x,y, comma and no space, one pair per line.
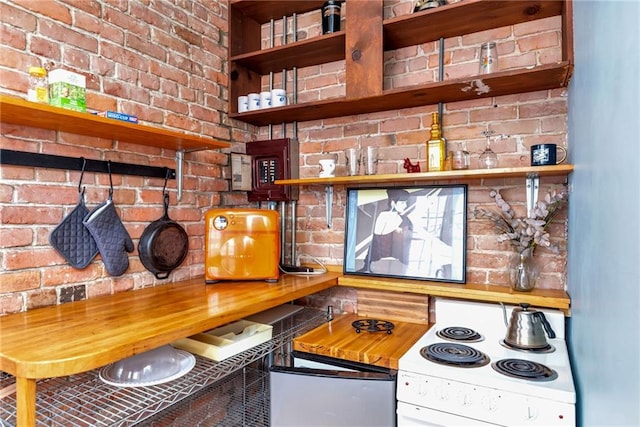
532,184
179,172
328,190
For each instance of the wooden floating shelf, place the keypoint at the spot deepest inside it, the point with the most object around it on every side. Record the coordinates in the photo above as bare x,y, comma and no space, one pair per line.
20,112
463,89
519,172
548,298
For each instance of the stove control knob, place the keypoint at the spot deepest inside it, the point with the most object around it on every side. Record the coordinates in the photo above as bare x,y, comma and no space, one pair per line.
489,402
531,414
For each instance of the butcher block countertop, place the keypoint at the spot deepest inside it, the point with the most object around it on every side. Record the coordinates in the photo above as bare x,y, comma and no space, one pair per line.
83,335
340,340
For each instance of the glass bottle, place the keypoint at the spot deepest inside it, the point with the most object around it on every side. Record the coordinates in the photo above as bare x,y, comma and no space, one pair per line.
38,86
331,17
436,150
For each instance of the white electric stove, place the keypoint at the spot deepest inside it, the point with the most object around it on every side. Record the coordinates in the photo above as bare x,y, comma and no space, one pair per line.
431,393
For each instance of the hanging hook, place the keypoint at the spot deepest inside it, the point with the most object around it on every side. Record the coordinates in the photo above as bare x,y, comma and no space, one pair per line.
166,178
110,179
84,165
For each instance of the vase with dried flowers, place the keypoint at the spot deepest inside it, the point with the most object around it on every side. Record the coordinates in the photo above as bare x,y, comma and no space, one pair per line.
524,234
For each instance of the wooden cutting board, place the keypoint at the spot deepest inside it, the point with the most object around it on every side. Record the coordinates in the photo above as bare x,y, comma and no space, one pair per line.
340,340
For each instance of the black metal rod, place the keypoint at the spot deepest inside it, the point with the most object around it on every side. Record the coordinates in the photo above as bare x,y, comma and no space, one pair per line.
20,158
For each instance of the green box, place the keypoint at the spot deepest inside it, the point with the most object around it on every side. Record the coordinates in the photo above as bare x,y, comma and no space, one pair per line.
67,90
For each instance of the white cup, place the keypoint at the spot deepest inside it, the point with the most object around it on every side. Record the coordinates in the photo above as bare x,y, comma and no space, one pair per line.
265,100
254,101
278,97
327,168
243,104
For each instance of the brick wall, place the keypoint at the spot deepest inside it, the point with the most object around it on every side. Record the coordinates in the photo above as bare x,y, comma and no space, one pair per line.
162,61
522,120
166,62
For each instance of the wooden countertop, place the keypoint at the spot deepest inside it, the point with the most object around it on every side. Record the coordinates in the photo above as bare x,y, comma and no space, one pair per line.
84,335
338,339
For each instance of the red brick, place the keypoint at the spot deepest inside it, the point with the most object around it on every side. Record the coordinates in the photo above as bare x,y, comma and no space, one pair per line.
41,298
12,303
15,237
19,281
17,17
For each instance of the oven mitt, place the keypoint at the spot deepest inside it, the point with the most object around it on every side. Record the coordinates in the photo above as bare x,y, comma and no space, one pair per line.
111,237
72,239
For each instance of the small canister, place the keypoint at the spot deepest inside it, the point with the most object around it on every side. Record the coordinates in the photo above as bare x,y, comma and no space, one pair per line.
38,86
461,160
331,17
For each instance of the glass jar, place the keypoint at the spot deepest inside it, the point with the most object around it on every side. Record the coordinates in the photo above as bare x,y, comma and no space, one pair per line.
38,86
523,272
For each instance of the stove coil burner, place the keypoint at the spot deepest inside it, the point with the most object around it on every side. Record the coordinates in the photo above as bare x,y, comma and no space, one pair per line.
453,354
373,325
524,369
459,333
546,349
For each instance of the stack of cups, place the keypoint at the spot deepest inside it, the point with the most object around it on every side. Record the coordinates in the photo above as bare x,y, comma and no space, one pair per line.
262,100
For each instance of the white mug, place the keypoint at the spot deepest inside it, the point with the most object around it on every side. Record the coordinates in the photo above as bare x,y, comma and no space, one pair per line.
327,168
254,101
278,97
265,100
243,104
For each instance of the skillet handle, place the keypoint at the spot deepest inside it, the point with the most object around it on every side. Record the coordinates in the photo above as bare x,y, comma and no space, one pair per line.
162,275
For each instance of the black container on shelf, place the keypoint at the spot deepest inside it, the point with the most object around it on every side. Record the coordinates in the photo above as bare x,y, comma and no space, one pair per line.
331,16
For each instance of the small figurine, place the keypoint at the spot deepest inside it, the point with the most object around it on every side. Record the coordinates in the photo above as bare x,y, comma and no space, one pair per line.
411,168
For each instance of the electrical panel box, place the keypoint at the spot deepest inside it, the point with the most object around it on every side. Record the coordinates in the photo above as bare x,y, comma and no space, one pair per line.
272,160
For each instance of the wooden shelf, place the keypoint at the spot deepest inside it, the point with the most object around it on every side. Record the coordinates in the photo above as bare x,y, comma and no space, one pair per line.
304,53
20,112
249,63
264,10
523,172
465,17
463,89
548,298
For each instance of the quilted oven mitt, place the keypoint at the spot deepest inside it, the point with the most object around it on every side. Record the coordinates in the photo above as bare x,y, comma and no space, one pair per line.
111,237
72,239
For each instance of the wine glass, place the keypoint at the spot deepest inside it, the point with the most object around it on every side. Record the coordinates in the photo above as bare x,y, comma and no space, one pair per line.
488,159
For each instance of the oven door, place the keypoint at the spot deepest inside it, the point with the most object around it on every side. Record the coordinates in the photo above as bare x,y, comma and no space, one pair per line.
412,415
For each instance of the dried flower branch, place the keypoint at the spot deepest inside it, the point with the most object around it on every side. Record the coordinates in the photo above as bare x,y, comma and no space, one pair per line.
525,233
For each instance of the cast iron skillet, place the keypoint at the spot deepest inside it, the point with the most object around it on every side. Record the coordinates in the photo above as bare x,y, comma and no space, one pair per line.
163,245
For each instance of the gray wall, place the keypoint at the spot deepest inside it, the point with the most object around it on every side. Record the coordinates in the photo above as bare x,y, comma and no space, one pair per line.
604,212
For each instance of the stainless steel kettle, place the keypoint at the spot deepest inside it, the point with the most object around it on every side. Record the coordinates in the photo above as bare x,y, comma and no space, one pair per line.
526,329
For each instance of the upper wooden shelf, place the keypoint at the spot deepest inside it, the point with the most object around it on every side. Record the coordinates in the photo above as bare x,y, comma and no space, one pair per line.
524,172
264,10
549,298
464,17
20,112
454,90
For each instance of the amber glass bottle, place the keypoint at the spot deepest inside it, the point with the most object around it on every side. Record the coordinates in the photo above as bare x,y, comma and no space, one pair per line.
436,150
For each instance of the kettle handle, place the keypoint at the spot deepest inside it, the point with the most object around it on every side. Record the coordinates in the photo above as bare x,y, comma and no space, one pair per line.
545,324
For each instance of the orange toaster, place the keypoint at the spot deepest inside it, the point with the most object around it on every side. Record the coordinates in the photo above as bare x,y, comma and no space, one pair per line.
241,244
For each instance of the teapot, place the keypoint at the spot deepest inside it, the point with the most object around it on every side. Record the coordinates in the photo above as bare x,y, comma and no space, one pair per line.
527,327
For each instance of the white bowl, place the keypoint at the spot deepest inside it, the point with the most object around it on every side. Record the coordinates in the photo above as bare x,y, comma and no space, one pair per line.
149,368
